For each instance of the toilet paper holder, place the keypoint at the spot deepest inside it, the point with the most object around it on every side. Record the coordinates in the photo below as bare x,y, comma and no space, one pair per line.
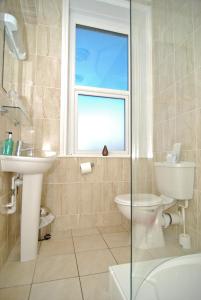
86,167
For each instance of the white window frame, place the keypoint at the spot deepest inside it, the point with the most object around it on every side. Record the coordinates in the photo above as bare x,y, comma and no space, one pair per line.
68,125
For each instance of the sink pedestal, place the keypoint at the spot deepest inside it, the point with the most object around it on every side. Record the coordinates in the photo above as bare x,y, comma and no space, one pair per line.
31,198
32,170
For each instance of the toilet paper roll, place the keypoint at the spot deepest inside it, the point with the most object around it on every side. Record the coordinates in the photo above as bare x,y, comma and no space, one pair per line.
86,168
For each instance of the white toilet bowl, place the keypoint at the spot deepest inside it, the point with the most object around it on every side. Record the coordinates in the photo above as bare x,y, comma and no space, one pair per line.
147,216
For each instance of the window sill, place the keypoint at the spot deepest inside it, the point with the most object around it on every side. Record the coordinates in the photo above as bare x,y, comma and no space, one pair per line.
95,155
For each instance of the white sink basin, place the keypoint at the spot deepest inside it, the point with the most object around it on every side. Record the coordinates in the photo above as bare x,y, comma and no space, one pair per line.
25,165
32,169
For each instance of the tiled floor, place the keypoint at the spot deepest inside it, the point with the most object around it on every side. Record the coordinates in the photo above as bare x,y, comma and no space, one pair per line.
73,265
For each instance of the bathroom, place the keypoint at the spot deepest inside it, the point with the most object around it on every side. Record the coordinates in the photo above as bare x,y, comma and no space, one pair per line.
160,102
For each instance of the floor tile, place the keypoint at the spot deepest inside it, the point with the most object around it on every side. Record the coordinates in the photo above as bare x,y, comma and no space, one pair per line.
16,273
92,262
67,289
90,242
55,267
122,254
56,247
84,231
111,229
166,251
15,293
141,254
15,253
96,287
114,240
61,235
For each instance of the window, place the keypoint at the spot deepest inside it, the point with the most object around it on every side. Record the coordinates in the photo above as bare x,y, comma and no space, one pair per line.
101,58
101,121
98,100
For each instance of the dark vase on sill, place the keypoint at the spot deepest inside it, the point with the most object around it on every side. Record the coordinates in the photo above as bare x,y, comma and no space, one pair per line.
105,151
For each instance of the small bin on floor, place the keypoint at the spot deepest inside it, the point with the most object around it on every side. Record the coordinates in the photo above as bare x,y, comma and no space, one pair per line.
46,219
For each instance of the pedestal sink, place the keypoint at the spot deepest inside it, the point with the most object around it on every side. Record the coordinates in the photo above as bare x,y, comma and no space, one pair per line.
32,169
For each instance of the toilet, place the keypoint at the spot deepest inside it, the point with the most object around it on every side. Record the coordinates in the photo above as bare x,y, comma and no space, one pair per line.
174,182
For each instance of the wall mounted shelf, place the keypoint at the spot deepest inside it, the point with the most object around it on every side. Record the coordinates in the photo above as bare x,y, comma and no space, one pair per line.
16,115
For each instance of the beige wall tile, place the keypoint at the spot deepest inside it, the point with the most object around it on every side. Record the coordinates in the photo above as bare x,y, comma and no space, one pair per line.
166,73
166,104
109,219
185,130
28,71
49,41
49,12
46,134
108,195
63,223
87,220
52,195
30,33
184,126
196,13
198,128
113,169
71,170
126,169
198,88
185,94
51,103
70,195
183,22
184,59
51,78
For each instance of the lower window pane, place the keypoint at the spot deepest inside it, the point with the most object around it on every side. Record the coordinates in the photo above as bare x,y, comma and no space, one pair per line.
101,121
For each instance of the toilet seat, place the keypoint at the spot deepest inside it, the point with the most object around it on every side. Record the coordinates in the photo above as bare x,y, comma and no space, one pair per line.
138,200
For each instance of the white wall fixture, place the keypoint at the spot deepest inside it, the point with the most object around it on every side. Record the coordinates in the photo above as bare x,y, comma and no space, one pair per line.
13,36
32,170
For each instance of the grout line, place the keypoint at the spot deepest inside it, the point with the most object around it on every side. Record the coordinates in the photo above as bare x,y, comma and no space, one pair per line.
104,240
52,280
77,269
81,288
94,274
110,249
113,256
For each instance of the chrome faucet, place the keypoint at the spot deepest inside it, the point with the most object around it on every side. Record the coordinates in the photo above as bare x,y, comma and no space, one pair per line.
23,147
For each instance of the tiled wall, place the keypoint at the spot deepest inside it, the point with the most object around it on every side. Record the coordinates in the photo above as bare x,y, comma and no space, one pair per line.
86,200
177,90
9,224
75,200
42,71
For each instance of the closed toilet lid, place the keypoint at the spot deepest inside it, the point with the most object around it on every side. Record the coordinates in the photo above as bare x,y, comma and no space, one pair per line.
138,199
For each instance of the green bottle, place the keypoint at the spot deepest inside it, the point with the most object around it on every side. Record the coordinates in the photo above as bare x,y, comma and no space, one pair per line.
8,145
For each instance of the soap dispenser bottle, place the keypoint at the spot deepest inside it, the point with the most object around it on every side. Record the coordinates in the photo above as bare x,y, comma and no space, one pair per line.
8,144
105,151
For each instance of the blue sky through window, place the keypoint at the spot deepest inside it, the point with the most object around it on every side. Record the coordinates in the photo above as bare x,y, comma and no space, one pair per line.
101,58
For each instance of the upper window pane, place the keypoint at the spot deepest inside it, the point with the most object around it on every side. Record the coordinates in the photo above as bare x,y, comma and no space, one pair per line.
101,58
101,121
